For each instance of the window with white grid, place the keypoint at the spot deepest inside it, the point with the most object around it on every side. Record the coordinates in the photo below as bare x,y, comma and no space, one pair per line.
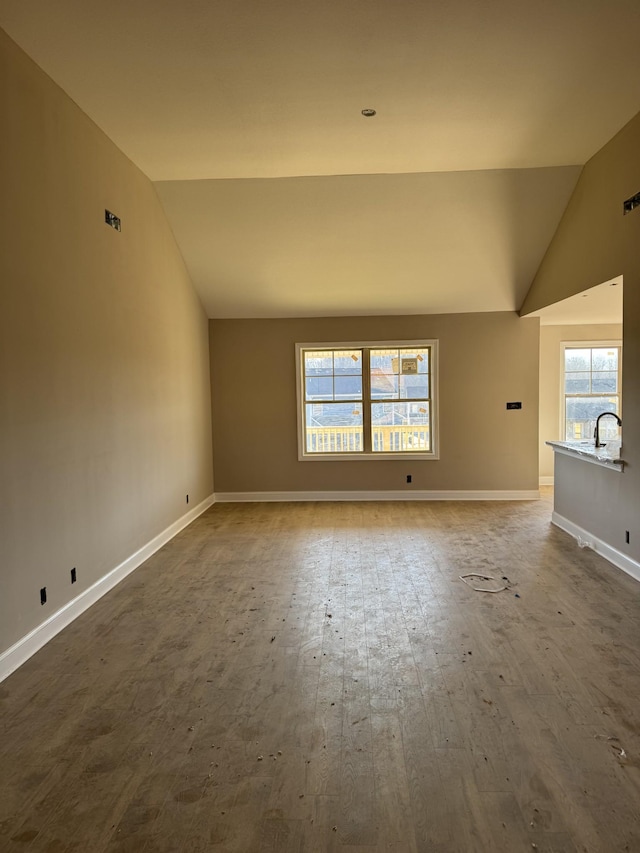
367,400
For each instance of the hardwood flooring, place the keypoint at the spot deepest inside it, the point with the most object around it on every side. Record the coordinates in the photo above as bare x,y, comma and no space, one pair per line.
316,677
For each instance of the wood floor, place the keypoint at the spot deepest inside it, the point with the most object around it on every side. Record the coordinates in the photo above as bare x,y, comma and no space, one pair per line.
316,677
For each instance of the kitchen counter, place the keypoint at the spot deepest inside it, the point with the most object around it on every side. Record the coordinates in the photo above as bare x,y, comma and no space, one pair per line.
608,456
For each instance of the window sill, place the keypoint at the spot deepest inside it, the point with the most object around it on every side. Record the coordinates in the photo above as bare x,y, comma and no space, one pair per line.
366,457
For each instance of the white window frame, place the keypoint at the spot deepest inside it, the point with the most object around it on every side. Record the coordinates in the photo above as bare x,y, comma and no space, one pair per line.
304,456
564,346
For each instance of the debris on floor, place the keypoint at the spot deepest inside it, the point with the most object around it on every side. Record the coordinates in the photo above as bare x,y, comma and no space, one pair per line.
613,743
469,575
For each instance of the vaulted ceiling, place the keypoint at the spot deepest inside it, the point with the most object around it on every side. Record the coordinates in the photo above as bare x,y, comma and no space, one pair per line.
286,200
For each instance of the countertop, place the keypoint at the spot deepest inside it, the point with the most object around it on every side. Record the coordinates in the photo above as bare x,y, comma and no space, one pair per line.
609,455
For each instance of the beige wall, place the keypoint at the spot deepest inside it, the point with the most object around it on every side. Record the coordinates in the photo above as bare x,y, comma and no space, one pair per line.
104,375
485,360
551,340
590,496
595,243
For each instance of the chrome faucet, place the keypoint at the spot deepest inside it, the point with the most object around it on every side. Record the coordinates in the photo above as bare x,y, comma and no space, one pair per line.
596,432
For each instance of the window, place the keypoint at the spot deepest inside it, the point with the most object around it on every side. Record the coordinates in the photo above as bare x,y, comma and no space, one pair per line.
591,385
364,401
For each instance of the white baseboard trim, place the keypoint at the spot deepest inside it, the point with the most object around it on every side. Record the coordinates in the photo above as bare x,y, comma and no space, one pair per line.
28,645
389,495
620,560
546,481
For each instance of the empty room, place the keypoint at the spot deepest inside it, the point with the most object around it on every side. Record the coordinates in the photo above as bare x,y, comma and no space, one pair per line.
319,427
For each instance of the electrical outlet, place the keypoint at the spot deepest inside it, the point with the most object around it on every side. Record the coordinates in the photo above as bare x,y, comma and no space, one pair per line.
187,498
73,575
408,478
43,595
626,536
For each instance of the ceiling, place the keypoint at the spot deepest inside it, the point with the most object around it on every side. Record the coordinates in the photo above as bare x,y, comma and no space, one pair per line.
367,244
285,200
599,304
